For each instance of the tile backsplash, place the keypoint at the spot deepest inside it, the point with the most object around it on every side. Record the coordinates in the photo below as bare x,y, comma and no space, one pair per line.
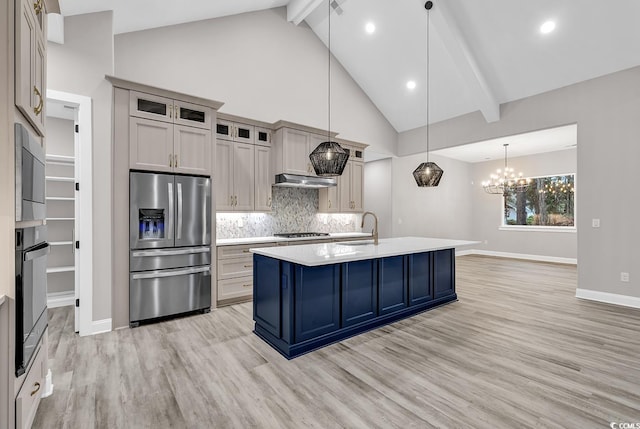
293,210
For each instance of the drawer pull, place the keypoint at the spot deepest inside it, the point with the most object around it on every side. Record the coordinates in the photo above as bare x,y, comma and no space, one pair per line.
37,388
249,285
245,251
248,266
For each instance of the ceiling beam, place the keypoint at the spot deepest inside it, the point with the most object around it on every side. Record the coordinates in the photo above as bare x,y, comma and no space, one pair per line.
455,44
298,10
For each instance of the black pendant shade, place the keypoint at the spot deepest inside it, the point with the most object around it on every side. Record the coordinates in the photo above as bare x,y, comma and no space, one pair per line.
428,174
329,159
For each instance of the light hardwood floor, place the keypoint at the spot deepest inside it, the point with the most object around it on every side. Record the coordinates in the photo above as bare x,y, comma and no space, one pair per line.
517,350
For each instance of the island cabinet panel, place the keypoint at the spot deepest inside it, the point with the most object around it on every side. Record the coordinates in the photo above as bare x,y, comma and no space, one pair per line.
392,284
444,273
317,301
420,284
266,302
359,291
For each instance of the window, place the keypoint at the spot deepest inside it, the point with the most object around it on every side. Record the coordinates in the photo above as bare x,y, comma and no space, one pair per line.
548,201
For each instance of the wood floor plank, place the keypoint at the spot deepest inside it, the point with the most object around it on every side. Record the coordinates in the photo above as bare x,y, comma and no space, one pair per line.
517,350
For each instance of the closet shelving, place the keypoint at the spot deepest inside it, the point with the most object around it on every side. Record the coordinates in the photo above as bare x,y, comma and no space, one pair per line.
60,207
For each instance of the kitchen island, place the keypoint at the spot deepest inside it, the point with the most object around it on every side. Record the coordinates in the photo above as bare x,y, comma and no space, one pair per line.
308,296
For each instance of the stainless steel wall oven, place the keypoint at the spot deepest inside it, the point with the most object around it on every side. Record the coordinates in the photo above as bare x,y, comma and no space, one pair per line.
31,292
30,178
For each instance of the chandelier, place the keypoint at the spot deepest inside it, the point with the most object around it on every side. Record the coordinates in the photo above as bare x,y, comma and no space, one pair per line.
505,180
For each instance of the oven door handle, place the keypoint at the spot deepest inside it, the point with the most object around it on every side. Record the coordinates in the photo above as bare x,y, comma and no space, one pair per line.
164,273
38,252
140,253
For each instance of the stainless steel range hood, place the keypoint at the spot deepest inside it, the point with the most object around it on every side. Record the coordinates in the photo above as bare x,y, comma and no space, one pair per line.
297,181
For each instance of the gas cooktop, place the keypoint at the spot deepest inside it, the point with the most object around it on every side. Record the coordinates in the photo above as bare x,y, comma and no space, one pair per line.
301,234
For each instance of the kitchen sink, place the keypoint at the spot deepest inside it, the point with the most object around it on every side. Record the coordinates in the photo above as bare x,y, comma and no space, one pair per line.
355,243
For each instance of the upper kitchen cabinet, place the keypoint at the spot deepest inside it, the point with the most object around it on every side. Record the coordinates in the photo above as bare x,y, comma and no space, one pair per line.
234,176
347,197
164,109
263,178
31,61
227,130
169,135
161,146
292,145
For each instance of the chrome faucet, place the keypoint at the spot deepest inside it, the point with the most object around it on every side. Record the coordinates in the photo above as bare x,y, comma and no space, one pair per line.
375,226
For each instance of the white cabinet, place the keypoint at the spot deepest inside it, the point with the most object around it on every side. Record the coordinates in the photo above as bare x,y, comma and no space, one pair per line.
263,178
191,150
235,273
292,149
234,176
31,61
163,146
31,390
157,108
233,131
263,136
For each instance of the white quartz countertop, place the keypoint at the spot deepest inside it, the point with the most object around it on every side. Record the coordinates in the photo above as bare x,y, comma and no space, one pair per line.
334,253
2,298
272,239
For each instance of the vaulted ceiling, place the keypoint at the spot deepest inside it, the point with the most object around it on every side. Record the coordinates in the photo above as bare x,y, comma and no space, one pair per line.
482,54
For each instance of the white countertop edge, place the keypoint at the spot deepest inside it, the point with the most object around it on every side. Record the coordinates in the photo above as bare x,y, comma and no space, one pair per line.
2,298
272,239
335,253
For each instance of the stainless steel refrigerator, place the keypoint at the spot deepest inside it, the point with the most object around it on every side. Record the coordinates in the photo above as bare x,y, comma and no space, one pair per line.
170,245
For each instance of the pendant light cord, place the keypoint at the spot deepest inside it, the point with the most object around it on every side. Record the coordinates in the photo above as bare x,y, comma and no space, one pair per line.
428,94
329,77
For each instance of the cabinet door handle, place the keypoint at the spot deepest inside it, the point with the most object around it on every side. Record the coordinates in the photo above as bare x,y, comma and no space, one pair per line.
329,203
36,386
170,160
249,285
248,266
170,111
38,109
177,114
245,251
175,160
269,201
37,7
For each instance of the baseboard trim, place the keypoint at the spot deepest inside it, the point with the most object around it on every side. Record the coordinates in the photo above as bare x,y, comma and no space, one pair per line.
540,258
60,299
100,326
609,298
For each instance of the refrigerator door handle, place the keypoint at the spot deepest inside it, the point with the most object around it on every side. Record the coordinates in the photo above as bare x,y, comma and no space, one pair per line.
163,252
179,227
164,273
170,193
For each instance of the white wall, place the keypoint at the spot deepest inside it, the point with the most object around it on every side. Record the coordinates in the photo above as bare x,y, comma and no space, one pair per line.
378,190
488,209
78,67
261,67
607,112
444,211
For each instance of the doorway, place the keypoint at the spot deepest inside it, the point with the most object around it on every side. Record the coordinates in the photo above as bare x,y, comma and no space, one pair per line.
69,202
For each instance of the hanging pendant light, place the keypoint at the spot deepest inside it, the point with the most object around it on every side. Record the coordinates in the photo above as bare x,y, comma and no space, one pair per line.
428,174
329,158
505,180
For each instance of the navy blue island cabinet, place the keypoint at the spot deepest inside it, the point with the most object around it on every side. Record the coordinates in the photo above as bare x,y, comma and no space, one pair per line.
299,308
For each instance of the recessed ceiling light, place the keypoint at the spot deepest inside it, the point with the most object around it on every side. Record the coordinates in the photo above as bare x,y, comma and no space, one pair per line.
547,27
411,84
370,27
